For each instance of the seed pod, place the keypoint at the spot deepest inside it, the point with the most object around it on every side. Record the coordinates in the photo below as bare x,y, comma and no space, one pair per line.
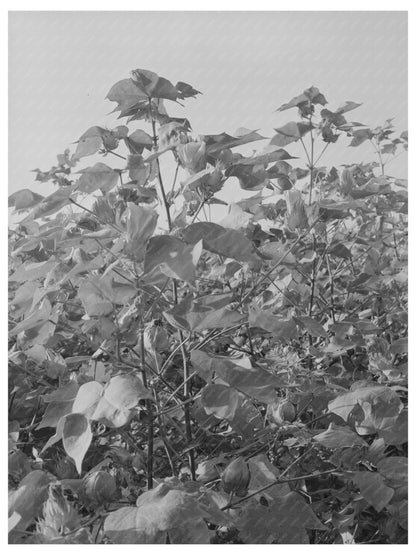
282,411
100,487
236,477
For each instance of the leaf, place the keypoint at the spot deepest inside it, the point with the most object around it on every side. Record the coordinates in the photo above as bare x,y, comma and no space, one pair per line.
373,489
254,381
99,176
220,400
153,86
93,299
141,223
376,408
290,133
225,242
251,178
360,136
395,470
347,106
203,364
338,437
159,511
90,142
312,95
312,326
60,404
127,95
283,521
138,141
262,473
125,391
76,437
217,143
87,398
24,199
266,158
28,499
172,257
203,313
51,204
397,433
39,315
282,330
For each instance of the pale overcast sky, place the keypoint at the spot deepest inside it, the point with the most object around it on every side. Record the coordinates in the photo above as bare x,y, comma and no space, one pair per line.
62,65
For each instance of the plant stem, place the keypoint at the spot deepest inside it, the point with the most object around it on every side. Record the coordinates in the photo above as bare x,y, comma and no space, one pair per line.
149,408
162,189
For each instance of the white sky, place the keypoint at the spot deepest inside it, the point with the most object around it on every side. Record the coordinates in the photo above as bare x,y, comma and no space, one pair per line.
62,65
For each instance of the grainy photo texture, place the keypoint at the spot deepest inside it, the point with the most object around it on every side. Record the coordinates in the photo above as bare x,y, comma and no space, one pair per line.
208,278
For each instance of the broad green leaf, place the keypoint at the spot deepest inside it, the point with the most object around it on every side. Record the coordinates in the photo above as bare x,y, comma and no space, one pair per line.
127,95
172,257
51,204
141,223
217,143
262,473
220,400
360,136
282,330
87,398
347,106
138,141
283,521
28,499
153,86
203,364
99,176
312,95
394,470
24,199
376,408
33,270
76,437
225,242
251,178
290,133
110,415
312,326
203,313
337,437
160,511
60,404
37,316
373,488
90,142
125,391
93,299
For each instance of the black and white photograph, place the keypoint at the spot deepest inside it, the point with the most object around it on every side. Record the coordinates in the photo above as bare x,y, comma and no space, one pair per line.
207,276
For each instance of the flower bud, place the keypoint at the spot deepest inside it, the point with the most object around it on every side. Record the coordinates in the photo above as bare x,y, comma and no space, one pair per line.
100,487
236,477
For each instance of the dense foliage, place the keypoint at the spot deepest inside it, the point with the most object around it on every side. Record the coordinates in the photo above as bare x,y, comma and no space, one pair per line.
174,380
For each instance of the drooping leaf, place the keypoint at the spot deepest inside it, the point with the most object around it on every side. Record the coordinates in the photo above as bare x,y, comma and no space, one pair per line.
90,142
51,204
220,400
76,437
311,325
360,135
